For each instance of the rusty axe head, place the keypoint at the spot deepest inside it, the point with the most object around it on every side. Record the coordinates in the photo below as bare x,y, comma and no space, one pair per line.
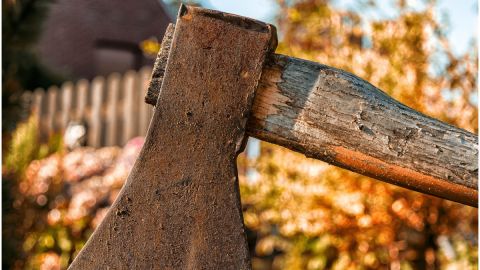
180,207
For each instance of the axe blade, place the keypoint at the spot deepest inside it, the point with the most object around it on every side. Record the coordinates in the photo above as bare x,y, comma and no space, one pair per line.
180,206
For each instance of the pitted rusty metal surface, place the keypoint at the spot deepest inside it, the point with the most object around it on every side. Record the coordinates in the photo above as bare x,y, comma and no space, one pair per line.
159,67
180,207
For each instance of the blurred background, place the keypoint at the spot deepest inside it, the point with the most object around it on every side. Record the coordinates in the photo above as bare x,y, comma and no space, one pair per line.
74,74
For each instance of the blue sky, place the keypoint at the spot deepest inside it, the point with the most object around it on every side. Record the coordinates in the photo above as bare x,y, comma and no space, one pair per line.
462,14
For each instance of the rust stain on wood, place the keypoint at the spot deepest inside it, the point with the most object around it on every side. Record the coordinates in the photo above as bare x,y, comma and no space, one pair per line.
404,177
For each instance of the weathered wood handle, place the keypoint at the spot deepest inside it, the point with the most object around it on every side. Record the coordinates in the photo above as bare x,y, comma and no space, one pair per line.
334,116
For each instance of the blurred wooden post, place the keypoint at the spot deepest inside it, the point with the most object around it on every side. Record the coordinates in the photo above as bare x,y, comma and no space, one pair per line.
82,96
144,108
128,106
95,117
66,91
39,111
51,125
113,88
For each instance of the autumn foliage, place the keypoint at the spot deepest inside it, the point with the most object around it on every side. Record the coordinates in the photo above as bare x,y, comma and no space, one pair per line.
308,215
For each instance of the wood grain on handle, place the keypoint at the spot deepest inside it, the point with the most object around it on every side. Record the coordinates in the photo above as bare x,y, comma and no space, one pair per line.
332,115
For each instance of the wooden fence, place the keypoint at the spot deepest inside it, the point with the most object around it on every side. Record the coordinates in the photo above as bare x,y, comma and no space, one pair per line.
112,108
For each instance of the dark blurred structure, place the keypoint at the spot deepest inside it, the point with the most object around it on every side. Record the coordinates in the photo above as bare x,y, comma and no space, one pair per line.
86,38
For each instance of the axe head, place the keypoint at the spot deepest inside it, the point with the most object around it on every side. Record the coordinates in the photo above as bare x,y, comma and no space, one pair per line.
180,207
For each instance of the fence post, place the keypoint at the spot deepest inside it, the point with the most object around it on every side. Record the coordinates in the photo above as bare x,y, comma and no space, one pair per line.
144,114
38,109
66,93
128,106
82,96
113,88
95,117
51,125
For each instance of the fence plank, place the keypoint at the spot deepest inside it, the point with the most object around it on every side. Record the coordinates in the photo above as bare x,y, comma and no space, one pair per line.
66,93
26,100
82,96
113,115
51,121
39,111
94,130
144,108
128,106
113,88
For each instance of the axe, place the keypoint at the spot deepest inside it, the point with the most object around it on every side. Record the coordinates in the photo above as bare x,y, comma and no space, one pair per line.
217,81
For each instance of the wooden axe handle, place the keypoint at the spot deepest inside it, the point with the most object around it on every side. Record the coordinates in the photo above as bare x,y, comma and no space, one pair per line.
334,116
